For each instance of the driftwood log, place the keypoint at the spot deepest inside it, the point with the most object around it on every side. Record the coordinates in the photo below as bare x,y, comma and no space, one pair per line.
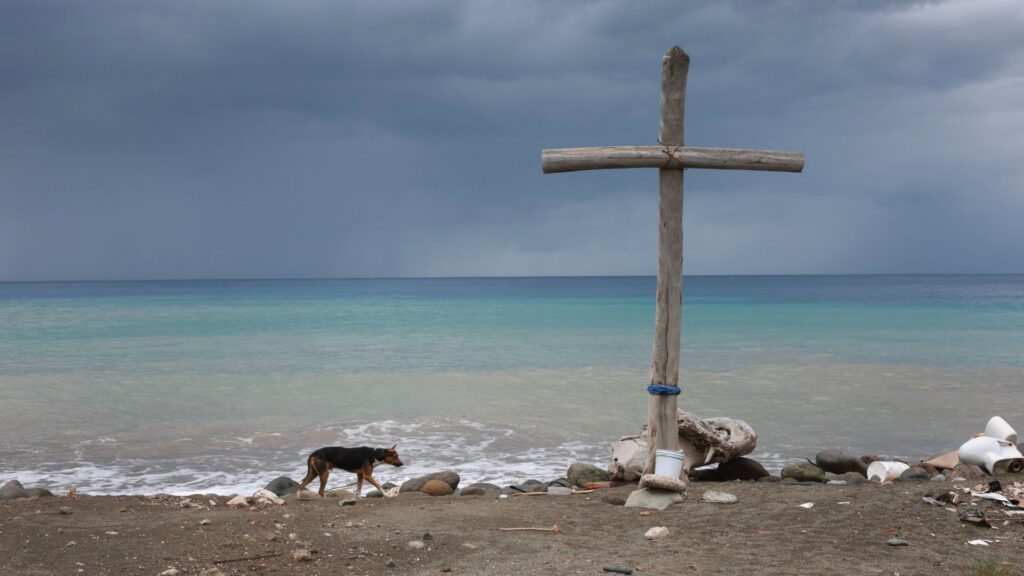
703,441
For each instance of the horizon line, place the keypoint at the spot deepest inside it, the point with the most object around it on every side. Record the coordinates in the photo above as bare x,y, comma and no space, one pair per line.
470,277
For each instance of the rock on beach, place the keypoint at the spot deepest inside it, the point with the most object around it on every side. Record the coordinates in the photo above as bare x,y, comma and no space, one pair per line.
13,489
436,488
282,486
804,472
449,477
839,462
579,474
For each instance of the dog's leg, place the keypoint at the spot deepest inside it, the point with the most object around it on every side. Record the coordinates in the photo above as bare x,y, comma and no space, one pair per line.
324,473
367,472
359,484
310,474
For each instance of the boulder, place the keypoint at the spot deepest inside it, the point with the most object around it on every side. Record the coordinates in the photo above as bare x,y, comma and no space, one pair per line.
532,486
13,489
839,462
282,486
652,499
448,477
667,483
486,487
436,488
737,469
613,500
969,471
564,482
238,501
470,491
804,472
39,492
579,473
914,473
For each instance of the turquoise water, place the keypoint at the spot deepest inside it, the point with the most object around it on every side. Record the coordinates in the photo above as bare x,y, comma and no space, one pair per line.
220,385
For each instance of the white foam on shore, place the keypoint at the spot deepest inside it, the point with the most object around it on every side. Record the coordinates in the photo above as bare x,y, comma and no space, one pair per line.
243,464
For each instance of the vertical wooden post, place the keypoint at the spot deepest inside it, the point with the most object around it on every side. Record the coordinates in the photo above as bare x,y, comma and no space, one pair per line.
661,422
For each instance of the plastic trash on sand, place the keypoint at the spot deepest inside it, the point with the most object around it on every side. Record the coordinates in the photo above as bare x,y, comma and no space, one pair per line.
886,471
998,428
995,451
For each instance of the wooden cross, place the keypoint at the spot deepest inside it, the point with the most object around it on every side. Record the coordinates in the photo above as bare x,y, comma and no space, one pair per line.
671,158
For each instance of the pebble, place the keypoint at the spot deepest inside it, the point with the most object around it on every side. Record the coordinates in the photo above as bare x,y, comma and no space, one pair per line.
896,542
204,521
170,572
66,510
656,533
415,545
391,563
301,555
238,501
716,497
211,572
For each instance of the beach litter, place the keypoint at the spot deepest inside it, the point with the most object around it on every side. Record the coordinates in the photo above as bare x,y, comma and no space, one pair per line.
886,471
896,542
978,542
807,505
995,450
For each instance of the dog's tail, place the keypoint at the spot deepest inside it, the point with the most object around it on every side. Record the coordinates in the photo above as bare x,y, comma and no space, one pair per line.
310,474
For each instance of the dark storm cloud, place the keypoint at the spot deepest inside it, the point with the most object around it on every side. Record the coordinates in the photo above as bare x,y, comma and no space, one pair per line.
256,138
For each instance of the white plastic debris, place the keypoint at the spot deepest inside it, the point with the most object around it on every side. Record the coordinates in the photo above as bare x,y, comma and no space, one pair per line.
999,429
993,496
977,543
993,454
807,505
886,471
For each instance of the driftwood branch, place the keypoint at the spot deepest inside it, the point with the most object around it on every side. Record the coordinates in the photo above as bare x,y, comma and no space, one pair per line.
244,558
668,157
556,529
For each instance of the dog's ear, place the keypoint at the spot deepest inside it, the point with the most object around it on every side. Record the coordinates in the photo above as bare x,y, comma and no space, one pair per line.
395,446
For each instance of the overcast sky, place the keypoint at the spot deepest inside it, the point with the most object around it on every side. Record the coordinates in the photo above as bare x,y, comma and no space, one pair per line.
255,138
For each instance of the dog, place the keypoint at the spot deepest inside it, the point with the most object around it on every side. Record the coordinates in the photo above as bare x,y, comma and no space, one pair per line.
359,460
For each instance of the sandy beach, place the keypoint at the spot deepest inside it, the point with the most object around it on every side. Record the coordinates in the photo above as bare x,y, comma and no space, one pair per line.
766,532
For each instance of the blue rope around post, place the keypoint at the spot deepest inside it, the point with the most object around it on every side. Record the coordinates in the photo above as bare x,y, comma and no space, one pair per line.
662,390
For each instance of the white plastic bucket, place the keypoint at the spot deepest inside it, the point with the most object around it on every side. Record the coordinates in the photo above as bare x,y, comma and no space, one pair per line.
886,471
668,463
998,428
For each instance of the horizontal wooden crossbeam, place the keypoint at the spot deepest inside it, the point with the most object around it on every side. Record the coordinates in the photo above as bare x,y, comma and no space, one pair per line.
604,157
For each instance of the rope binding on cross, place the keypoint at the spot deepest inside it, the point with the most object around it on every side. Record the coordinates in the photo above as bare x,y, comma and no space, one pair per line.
671,154
663,390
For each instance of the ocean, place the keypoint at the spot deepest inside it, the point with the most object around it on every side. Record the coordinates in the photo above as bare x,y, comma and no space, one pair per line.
220,386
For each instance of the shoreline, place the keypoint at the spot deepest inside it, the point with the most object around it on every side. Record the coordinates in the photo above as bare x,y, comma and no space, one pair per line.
766,532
